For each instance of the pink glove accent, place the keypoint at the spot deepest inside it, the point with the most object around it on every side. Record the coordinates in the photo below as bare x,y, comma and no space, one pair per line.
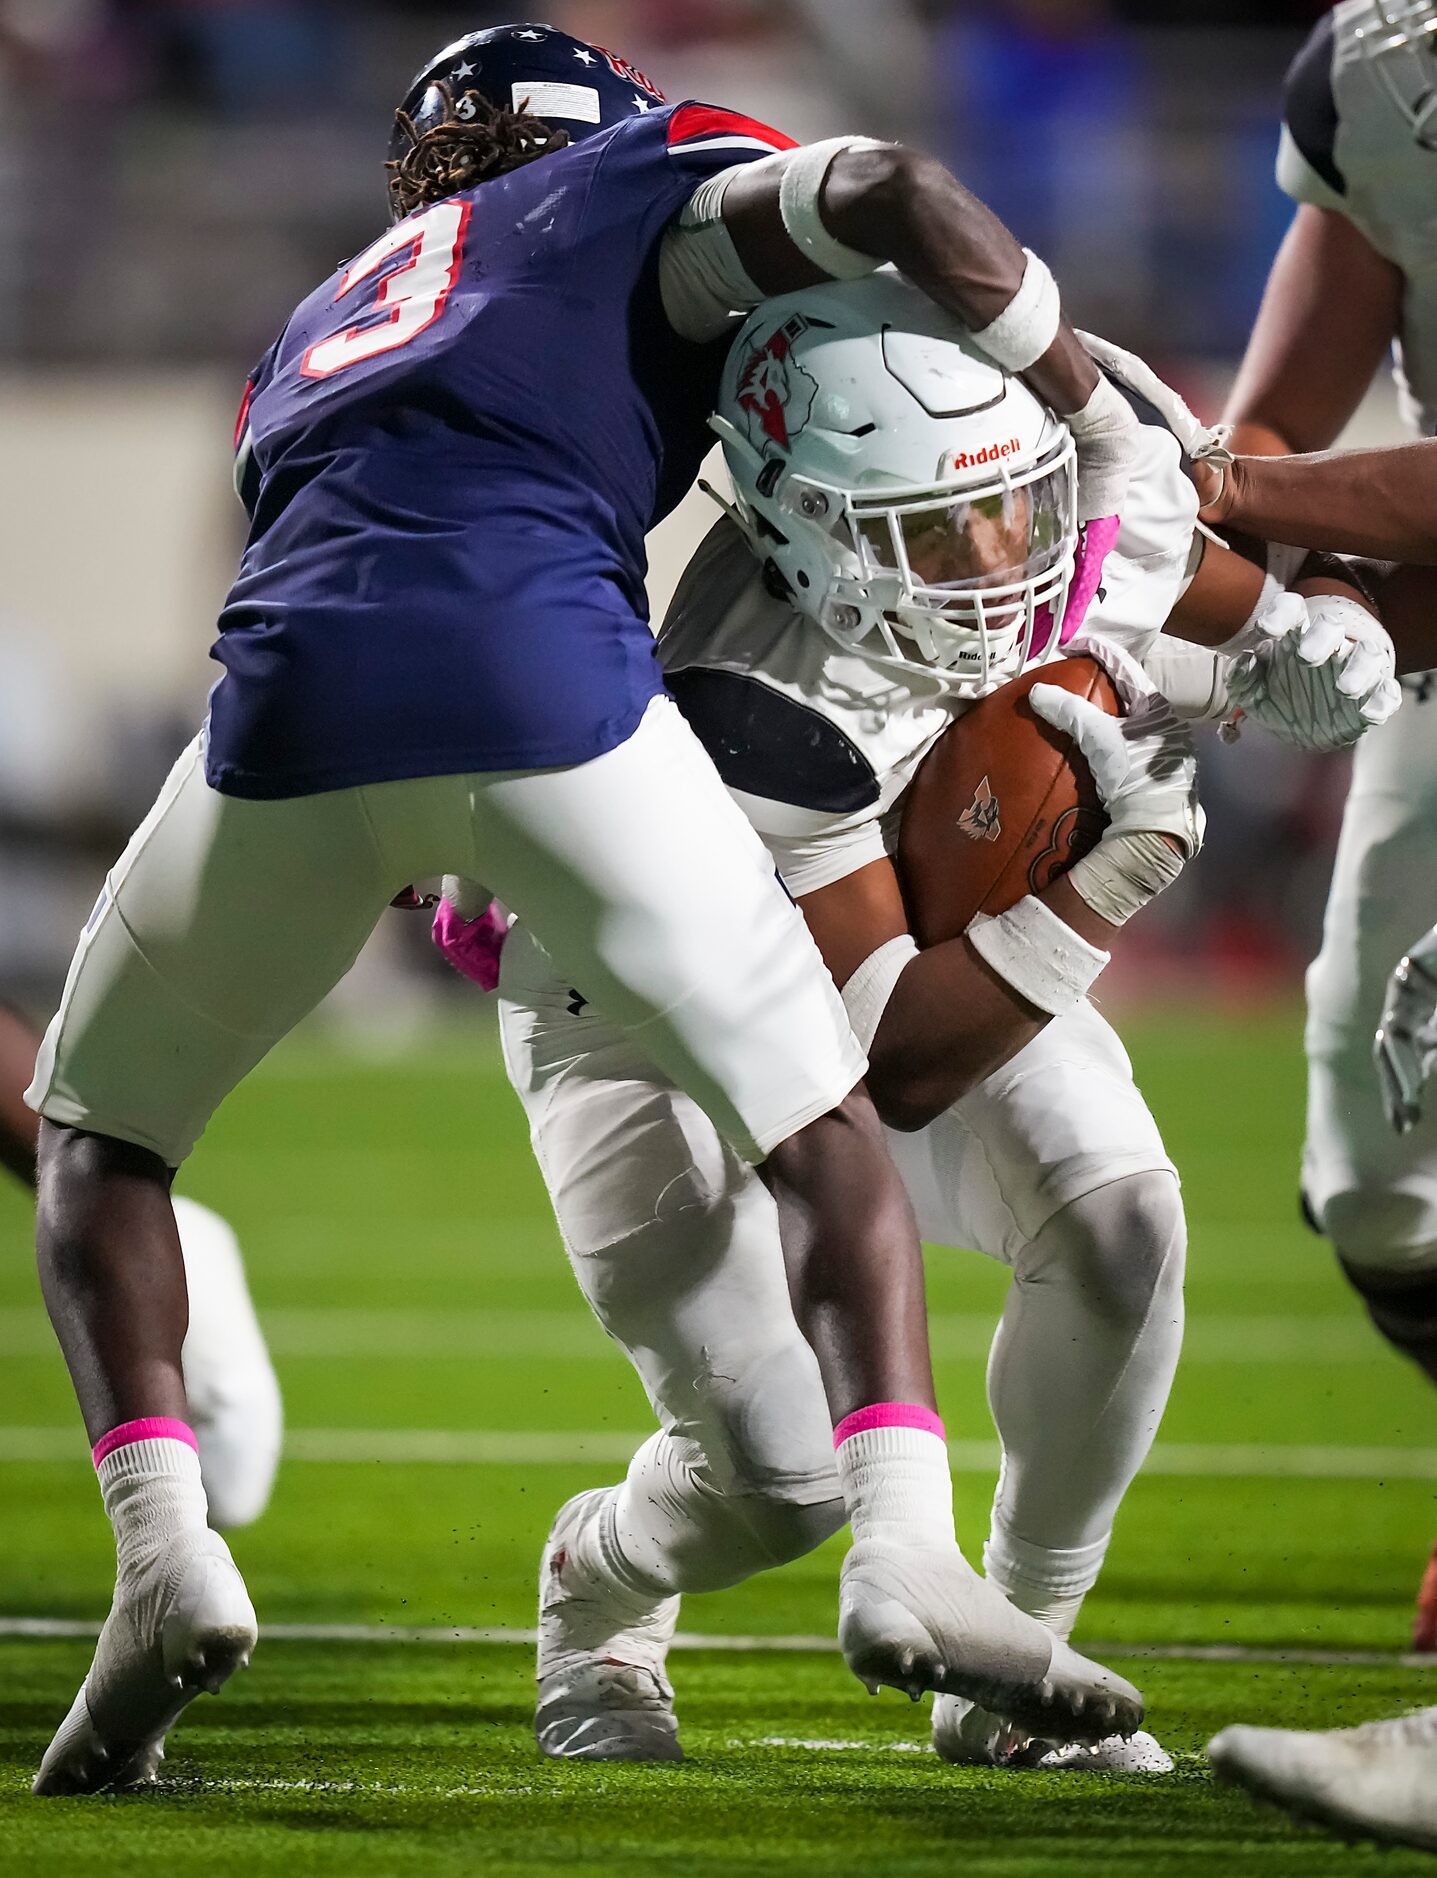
472,946
1094,541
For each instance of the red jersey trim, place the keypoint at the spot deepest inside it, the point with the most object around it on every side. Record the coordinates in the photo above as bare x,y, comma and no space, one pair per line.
691,122
243,418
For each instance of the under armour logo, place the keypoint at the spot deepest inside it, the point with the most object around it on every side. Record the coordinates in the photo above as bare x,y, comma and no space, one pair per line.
982,819
578,1003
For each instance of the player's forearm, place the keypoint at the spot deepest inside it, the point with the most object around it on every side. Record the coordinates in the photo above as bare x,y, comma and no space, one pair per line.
1375,502
1330,309
909,210
952,1021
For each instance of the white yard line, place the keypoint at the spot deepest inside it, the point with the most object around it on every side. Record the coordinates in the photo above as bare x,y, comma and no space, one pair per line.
485,1447
67,1628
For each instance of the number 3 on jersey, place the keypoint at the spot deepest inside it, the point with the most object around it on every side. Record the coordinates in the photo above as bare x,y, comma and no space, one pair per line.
411,298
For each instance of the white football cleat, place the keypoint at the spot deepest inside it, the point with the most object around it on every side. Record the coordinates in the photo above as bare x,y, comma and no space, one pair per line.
234,1399
968,1736
603,1694
922,1618
1378,1781
181,1625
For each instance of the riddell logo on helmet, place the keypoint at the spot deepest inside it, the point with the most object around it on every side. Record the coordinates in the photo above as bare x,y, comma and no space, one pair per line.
990,453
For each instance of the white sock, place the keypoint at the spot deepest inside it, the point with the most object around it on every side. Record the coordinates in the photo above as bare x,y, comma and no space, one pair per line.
1048,1585
897,1485
153,1493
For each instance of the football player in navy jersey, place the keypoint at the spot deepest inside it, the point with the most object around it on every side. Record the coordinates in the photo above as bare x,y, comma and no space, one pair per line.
436,659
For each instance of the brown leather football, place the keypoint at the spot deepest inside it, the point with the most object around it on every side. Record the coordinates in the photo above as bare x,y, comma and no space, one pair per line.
1001,805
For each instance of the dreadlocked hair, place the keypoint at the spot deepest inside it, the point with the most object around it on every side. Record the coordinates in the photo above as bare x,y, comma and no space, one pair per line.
475,141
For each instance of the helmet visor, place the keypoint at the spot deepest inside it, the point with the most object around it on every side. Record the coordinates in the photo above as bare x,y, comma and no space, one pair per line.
1000,538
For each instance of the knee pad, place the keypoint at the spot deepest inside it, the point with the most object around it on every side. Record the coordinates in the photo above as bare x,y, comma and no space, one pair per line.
1123,1244
1402,1305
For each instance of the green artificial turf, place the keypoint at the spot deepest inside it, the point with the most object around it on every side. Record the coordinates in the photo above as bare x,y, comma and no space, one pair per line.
403,1257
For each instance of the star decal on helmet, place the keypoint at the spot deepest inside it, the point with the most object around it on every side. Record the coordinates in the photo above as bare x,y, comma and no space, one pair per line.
775,394
528,33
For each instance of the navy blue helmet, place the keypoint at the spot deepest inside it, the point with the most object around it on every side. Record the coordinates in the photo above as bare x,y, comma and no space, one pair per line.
568,83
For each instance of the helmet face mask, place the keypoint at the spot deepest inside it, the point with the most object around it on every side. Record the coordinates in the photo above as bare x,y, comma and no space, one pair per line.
962,575
1400,43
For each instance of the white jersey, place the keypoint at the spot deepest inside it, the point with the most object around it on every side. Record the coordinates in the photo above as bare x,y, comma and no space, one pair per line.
1359,136
817,744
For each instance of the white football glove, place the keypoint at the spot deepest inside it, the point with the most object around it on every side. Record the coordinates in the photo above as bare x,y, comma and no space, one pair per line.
1406,1044
1322,683
1143,763
1144,767
1199,441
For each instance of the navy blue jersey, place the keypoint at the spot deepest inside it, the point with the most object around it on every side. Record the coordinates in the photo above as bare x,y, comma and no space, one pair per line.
452,455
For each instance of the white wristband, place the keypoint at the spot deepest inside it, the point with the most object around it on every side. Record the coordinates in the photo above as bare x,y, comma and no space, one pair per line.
1028,325
867,992
799,189
1038,954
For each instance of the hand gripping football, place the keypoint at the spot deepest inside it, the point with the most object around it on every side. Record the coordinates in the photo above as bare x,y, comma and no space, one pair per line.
1001,805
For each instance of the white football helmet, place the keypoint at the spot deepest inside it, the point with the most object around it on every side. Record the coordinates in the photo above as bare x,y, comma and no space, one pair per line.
1399,39
919,503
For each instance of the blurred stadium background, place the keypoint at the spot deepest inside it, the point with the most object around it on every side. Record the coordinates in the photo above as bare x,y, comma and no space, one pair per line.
175,174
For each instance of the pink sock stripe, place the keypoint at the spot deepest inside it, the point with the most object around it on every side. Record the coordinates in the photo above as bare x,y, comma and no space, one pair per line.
148,1428
888,1415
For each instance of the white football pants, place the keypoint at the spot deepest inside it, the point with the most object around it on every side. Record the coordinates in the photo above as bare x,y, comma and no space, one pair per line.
1373,1193
226,921
1054,1165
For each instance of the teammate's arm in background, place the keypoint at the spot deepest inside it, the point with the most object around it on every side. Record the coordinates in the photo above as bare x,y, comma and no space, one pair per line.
1377,502
1329,314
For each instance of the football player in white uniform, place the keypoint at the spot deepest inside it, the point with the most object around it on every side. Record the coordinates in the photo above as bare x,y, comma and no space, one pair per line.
234,1397
904,543
1357,272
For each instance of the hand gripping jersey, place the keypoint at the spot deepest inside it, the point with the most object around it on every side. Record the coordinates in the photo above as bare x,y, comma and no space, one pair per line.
817,744
452,455
1353,140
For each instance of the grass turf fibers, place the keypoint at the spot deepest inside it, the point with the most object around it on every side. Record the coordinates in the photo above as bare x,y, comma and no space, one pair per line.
400,1245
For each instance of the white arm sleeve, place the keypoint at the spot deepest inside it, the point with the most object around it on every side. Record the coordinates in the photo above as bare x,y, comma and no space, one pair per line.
1193,679
701,278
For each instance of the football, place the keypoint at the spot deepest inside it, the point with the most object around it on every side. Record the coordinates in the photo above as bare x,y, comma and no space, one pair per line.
1001,805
